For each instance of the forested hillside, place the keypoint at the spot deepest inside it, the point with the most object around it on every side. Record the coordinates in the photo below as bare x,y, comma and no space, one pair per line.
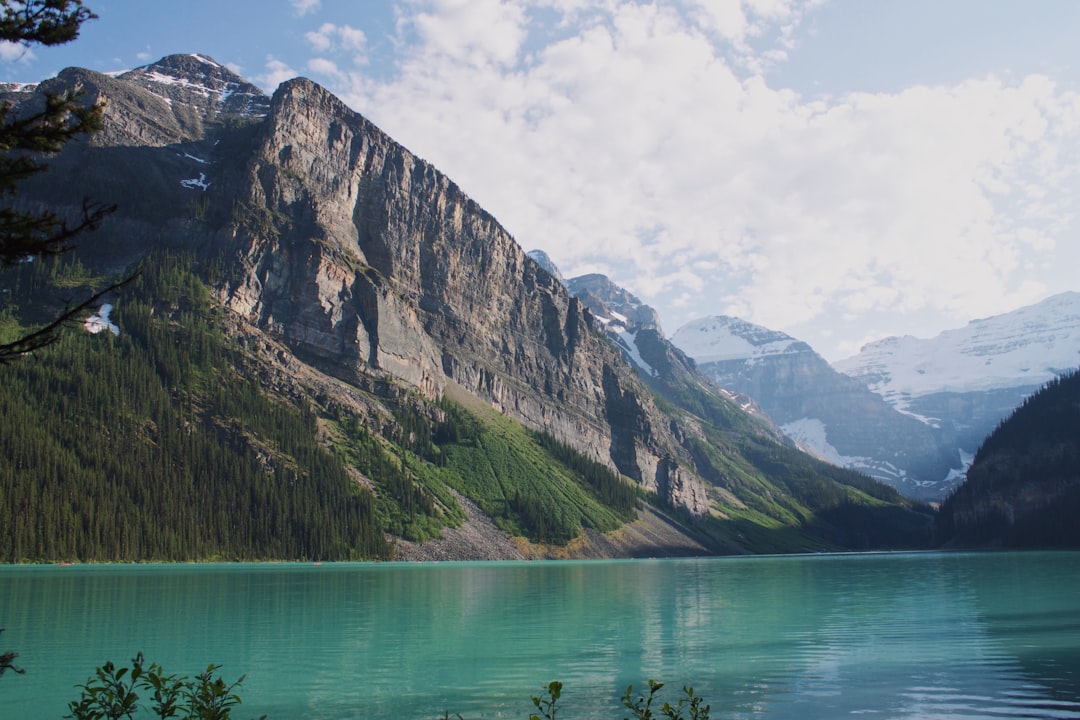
148,446
156,445
175,440
331,350
1023,487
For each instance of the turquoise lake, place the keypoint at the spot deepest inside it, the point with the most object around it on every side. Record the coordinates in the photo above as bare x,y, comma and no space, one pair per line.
878,636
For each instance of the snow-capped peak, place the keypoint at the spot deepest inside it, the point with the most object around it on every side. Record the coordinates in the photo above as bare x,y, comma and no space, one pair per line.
721,337
1026,347
194,79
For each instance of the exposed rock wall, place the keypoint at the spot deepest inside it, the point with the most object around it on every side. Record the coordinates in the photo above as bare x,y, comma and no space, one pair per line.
361,254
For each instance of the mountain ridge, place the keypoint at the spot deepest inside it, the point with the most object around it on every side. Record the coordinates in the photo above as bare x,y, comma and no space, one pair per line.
825,412
958,385
366,289
1024,347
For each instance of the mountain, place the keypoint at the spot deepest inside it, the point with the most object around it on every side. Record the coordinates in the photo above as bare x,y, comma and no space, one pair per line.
544,260
1023,486
634,328
964,381
834,416
335,318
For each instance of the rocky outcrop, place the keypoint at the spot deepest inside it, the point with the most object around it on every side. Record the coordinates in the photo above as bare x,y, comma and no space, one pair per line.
360,282
365,257
604,297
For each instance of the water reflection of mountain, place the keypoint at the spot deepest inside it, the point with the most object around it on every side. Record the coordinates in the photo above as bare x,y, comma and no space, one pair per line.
947,636
1030,603
897,636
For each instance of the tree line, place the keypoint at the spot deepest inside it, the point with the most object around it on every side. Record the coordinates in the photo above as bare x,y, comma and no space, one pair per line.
149,446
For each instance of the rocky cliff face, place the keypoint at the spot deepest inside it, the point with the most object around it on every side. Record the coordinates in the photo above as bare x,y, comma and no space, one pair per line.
366,258
357,274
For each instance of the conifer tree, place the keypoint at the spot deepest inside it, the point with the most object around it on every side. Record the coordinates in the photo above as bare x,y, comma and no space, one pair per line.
26,135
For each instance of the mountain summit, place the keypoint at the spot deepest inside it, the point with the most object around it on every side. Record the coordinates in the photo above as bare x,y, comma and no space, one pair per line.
476,406
1024,348
201,84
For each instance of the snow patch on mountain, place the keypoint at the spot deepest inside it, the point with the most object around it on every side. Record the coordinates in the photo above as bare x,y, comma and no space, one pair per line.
739,399
1026,347
196,183
618,328
627,341
16,87
185,78
958,475
810,434
100,321
722,338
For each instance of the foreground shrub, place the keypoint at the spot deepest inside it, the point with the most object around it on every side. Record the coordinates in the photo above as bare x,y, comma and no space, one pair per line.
113,694
689,706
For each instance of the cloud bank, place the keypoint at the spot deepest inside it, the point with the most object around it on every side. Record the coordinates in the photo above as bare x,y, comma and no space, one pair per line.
644,140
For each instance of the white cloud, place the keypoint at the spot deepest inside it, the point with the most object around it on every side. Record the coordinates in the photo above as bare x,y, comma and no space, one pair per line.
15,52
339,38
276,72
326,68
642,140
473,32
303,7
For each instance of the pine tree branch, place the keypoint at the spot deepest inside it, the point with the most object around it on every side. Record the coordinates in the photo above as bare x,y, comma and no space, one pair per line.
24,234
48,22
48,334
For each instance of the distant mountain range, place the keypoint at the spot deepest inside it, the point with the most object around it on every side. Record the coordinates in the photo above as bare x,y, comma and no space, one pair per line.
332,352
634,328
826,412
908,411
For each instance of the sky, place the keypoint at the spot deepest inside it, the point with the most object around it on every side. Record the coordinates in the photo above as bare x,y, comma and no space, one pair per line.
840,170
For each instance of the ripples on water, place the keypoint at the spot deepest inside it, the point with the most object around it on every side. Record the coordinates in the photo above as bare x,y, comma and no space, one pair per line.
880,636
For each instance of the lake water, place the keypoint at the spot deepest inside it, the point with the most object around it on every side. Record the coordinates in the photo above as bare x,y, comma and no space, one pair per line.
879,636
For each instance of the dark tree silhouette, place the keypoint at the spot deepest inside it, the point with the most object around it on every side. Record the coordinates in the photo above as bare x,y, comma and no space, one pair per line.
29,134
7,661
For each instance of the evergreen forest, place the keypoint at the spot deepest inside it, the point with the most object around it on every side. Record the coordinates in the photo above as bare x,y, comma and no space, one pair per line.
164,443
1023,487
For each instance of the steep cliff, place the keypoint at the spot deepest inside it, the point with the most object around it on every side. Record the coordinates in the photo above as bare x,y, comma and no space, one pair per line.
363,257
450,375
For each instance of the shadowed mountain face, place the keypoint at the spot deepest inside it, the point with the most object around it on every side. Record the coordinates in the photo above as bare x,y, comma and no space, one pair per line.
359,278
828,413
908,411
1023,487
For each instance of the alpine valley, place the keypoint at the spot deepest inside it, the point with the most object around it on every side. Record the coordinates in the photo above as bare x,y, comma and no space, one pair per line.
911,412
327,351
